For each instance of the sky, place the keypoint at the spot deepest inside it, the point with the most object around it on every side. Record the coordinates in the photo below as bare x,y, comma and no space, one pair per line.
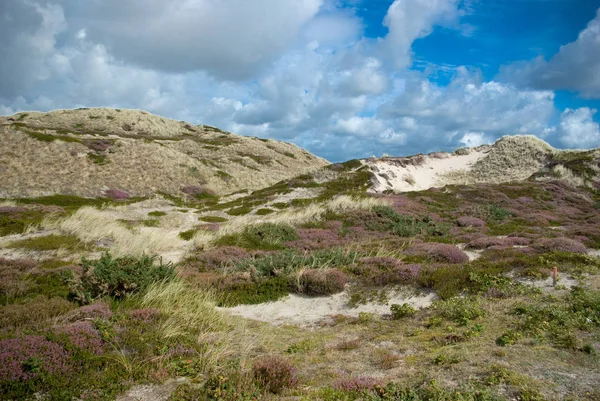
342,78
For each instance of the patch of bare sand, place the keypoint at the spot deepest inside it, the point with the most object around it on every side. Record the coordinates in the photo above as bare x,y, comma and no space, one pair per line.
308,311
428,172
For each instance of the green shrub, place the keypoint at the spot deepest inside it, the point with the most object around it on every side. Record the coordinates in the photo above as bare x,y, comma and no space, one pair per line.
119,277
253,292
288,261
400,311
405,226
460,310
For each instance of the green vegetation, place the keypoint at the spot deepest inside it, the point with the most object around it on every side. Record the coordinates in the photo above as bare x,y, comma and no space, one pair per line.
50,243
188,235
157,213
98,158
119,277
266,236
212,219
264,211
17,221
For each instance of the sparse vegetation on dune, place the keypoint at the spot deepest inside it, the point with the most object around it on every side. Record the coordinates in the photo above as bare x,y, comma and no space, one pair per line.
446,293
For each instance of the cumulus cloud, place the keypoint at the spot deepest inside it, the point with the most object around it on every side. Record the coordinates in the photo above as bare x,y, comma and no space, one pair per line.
231,40
577,128
474,139
28,30
408,20
575,67
321,85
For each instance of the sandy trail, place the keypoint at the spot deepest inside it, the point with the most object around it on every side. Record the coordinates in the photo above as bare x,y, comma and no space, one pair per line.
308,311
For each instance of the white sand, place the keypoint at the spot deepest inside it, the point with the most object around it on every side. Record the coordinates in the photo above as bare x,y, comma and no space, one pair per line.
431,173
307,311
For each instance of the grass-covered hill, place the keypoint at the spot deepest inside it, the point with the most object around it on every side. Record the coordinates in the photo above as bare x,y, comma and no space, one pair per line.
320,287
87,152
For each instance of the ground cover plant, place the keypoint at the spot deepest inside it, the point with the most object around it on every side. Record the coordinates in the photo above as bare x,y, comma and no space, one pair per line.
92,328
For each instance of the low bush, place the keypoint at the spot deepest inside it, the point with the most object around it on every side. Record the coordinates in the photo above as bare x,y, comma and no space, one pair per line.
357,384
241,289
29,357
274,373
322,281
264,211
470,221
559,244
444,253
404,226
401,311
119,277
460,310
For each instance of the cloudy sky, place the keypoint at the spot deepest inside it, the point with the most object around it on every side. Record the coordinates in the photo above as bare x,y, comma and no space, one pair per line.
342,78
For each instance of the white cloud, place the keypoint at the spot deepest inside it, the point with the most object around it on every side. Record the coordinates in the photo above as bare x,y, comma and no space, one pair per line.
408,20
575,67
233,39
577,128
474,139
322,86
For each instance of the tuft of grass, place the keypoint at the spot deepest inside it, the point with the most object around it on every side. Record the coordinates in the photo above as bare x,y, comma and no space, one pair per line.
98,159
265,236
50,243
187,235
212,219
264,212
188,310
157,213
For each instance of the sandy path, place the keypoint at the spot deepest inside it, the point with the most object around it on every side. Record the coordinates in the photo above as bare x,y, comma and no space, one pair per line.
308,311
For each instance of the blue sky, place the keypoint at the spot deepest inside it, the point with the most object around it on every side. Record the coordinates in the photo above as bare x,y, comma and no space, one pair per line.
343,79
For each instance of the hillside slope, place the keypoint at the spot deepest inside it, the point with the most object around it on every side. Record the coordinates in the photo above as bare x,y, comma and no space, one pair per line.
86,152
512,158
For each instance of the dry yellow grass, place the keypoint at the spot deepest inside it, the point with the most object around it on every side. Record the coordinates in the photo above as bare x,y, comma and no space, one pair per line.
148,154
293,216
92,225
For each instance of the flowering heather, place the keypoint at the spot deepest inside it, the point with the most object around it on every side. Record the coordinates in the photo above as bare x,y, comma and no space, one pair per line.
83,335
274,373
219,257
24,358
322,281
559,244
470,221
516,241
381,271
145,314
356,384
98,310
116,194
315,238
439,252
485,242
